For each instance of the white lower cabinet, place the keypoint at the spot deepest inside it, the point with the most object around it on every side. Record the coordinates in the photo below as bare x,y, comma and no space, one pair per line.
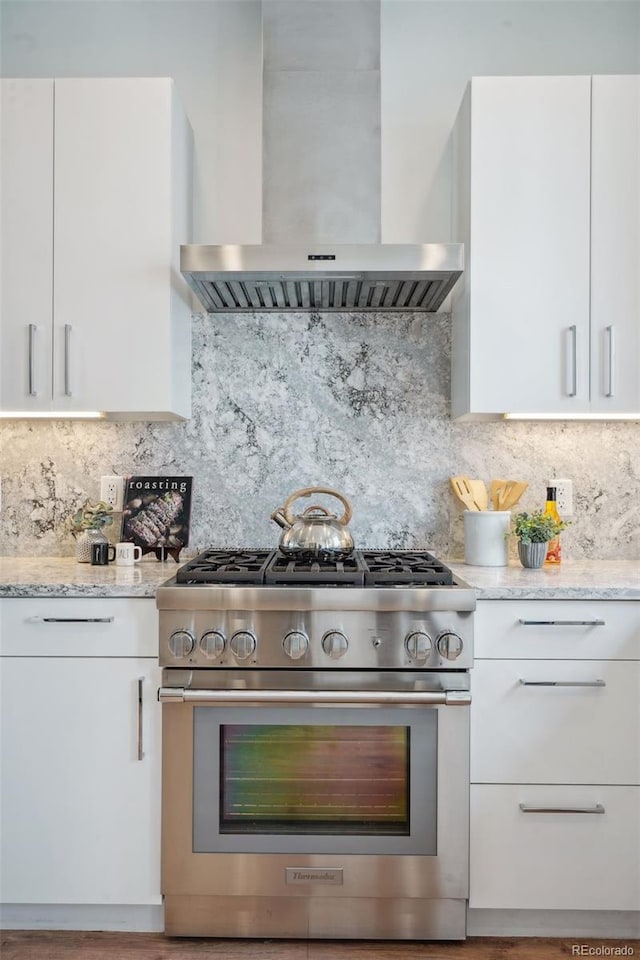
555,756
526,860
80,757
556,721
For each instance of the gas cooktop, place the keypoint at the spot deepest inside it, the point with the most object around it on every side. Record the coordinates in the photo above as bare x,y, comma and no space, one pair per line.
362,568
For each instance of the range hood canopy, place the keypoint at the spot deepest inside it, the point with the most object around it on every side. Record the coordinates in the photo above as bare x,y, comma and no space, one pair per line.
329,277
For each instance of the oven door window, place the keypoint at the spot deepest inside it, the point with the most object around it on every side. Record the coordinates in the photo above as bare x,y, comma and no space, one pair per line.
343,780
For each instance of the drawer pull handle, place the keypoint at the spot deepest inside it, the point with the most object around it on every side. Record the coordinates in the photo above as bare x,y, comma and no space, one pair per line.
140,706
563,683
70,619
67,360
32,360
561,623
533,808
572,361
611,361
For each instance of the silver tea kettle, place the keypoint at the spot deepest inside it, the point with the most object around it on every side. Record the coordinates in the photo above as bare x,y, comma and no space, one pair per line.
315,534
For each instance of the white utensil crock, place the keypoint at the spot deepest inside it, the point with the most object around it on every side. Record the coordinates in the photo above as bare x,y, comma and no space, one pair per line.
485,537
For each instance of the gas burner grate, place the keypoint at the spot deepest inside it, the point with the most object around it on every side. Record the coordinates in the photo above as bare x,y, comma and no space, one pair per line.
404,568
363,568
226,566
282,571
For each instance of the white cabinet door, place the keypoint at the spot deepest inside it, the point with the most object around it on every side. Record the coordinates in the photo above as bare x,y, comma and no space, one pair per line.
562,629
26,238
80,807
570,721
96,200
552,860
521,321
615,245
122,320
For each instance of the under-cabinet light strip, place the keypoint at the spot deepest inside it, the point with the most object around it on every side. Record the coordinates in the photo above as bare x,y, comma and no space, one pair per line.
49,415
571,416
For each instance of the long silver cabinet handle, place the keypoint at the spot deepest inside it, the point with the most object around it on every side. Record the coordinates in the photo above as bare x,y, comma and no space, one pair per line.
561,623
563,683
534,808
572,361
448,698
611,340
70,619
32,360
140,706
67,359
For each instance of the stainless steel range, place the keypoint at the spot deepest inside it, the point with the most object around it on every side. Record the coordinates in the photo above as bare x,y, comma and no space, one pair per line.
315,746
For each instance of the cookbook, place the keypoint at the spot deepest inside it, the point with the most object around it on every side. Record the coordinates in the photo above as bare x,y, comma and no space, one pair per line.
157,513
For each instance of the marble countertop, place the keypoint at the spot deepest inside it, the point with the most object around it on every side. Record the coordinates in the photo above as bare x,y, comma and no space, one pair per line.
65,577
572,580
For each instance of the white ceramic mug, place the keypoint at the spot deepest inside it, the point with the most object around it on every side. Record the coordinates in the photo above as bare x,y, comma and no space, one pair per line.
127,554
485,537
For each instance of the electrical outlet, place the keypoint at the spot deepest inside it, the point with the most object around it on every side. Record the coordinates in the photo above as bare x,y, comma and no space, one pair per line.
112,491
564,496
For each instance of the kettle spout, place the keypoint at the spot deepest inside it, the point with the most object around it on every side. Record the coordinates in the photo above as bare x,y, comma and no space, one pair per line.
279,518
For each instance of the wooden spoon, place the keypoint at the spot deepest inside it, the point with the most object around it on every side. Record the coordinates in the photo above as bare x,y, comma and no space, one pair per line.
463,492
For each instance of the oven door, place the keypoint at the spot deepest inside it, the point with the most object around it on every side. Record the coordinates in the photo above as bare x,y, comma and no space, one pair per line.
306,786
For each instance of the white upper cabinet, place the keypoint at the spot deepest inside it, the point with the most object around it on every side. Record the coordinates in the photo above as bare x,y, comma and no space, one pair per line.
109,161
26,255
546,176
615,244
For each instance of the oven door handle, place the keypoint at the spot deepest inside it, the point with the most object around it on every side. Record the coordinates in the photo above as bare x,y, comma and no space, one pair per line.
448,698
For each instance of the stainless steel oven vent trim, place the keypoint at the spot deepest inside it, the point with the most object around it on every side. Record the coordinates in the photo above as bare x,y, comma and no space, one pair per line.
336,278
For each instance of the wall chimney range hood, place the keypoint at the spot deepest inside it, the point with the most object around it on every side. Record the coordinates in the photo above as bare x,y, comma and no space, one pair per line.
329,277
321,181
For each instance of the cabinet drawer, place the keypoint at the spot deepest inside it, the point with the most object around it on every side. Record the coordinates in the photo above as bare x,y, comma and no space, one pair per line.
555,861
566,629
570,733
38,627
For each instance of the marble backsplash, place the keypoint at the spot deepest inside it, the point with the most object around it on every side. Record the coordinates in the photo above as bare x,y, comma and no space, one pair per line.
353,401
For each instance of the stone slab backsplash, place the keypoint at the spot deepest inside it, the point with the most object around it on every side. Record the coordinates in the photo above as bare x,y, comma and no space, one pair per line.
352,401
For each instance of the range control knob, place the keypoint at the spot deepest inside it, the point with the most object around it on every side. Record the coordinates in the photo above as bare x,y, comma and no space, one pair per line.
418,645
242,644
295,644
212,644
181,643
335,644
450,645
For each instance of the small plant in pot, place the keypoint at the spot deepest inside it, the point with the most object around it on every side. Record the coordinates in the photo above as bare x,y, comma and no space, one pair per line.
534,530
86,526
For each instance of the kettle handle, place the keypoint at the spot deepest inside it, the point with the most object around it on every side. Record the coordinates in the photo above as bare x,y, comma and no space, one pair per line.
306,492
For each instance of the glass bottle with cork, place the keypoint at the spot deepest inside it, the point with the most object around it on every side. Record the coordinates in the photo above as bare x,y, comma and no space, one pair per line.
554,550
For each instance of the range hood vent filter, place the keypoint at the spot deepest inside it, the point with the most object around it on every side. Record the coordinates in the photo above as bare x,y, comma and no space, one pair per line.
376,277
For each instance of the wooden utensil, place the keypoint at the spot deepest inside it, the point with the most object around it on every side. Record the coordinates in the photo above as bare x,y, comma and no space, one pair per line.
512,493
496,488
479,492
462,490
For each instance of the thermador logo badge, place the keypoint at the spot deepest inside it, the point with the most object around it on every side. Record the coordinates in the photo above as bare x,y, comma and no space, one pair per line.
313,875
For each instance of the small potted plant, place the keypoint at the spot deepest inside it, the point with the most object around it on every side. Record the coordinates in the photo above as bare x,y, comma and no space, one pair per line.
86,526
534,530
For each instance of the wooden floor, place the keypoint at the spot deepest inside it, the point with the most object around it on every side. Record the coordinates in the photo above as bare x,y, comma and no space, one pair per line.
44,945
